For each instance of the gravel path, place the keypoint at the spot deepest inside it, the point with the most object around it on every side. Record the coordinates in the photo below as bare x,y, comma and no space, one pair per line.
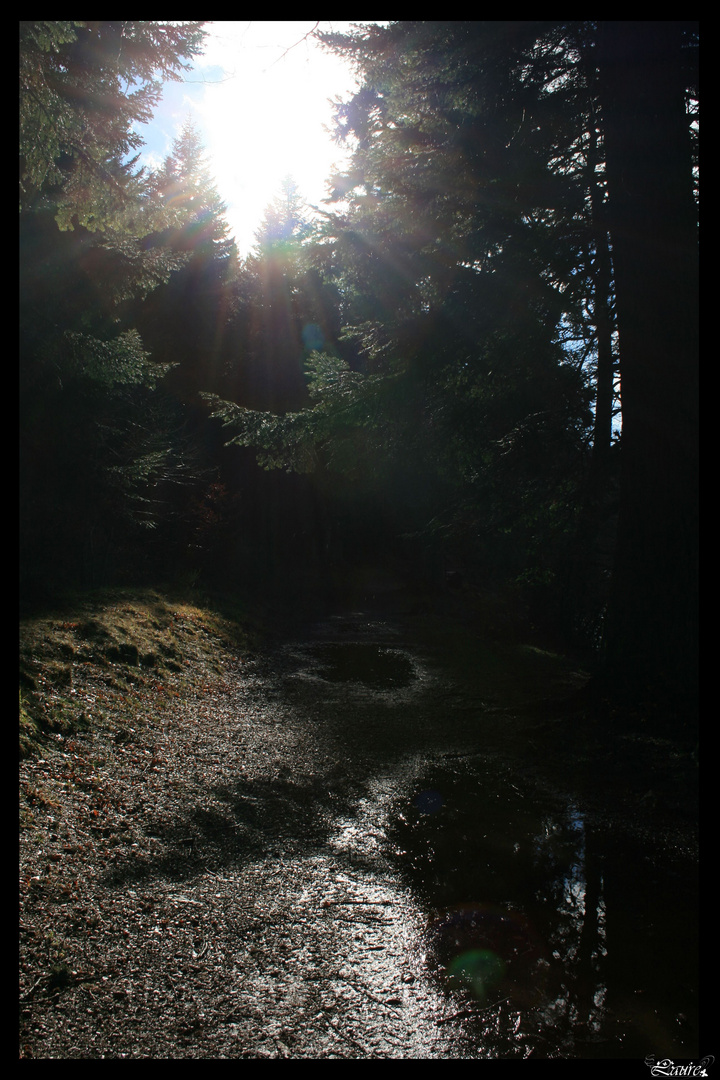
204,885
218,878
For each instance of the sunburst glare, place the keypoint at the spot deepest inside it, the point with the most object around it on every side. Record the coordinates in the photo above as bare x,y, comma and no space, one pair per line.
261,97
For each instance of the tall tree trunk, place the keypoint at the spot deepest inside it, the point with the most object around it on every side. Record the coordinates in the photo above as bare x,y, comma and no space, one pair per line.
651,635
594,538
602,285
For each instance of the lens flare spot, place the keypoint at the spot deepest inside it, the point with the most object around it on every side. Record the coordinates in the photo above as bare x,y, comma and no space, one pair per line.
488,950
479,970
313,337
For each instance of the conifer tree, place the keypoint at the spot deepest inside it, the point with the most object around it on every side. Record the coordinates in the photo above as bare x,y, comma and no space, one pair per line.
450,213
185,320
483,244
187,188
84,88
87,378
278,310
647,72
559,157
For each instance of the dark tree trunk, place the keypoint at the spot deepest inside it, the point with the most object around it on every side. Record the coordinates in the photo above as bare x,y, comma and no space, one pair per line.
651,636
602,285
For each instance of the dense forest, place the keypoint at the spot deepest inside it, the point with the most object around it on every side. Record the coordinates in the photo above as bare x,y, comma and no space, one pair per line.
478,363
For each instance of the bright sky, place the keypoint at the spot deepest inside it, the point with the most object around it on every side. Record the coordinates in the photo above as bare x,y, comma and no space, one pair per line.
260,111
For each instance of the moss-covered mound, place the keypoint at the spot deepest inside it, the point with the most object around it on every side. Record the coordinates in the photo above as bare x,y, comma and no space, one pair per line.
121,639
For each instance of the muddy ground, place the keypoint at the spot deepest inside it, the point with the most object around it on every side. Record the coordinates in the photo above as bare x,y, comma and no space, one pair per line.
366,838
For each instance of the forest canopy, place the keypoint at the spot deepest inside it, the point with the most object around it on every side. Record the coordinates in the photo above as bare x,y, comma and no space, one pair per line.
480,356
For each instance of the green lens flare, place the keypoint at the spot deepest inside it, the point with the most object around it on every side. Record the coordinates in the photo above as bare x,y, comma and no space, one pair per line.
479,970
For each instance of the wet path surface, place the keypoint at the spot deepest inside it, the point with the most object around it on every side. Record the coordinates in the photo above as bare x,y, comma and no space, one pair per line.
364,841
424,877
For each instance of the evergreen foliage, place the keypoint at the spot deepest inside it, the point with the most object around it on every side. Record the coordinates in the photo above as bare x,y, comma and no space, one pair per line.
430,366
474,249
90,444
184,321
84,86
447,255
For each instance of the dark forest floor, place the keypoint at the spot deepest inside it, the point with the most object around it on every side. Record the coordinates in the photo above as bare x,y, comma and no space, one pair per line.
206,863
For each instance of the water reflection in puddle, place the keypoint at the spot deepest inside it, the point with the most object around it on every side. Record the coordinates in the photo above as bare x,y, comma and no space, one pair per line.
383,669
553,934
528,925
375,665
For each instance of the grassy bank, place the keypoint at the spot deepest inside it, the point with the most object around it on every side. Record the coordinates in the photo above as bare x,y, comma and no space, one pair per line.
124,640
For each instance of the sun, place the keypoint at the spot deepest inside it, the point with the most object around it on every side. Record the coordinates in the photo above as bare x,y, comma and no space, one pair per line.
265,114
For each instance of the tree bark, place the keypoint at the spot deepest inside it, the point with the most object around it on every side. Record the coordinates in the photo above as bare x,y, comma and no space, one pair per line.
651,633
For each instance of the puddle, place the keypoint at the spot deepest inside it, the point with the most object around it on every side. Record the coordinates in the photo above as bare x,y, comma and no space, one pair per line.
560,933
374,665
361,659
477,909
535,927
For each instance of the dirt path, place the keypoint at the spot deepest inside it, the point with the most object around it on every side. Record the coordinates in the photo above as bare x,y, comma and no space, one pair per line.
232,879
190,889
